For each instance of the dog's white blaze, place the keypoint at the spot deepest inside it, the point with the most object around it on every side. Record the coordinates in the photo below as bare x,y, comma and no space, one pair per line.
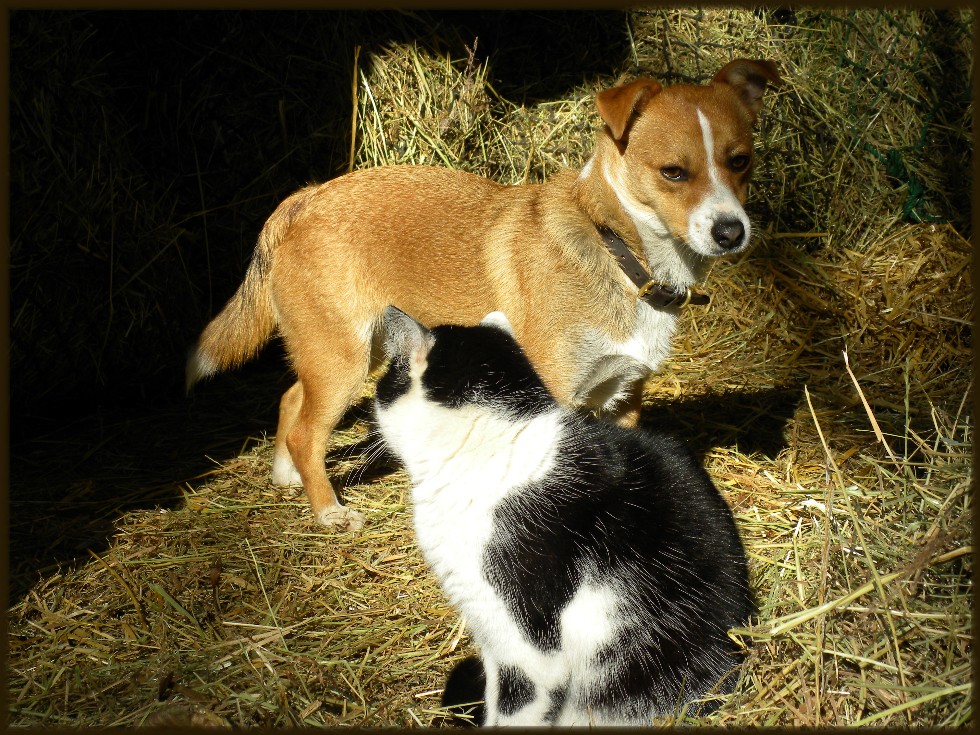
709,147
720,203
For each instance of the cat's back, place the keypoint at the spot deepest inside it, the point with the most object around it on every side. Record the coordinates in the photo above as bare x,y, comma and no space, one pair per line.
630,510
674,497
626,486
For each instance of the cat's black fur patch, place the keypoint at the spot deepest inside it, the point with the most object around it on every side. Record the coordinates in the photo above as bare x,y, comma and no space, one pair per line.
482,364
515,690
471,365
624,497
394,383
557,698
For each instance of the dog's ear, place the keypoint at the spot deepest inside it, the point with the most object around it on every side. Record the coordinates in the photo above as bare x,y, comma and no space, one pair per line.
619,105
403,336
749,77
499,320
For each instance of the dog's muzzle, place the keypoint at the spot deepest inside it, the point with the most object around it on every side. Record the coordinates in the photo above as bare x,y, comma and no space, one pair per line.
728,233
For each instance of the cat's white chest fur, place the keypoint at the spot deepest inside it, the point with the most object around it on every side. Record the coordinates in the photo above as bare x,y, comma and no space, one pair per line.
481,461
474,444
462,463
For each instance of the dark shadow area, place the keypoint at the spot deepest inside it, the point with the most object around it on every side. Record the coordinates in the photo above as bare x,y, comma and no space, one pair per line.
73,477
147,149
753,420
539,55
951,80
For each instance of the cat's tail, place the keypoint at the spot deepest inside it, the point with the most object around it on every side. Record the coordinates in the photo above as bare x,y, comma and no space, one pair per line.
249,318
464,693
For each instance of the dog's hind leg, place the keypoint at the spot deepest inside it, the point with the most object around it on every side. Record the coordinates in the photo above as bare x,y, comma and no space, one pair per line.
284,472
308,414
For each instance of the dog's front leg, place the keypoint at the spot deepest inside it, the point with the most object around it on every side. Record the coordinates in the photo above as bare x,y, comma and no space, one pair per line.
614,389
627,412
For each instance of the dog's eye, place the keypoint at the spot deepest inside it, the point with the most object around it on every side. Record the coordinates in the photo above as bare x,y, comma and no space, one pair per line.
739,163
673,173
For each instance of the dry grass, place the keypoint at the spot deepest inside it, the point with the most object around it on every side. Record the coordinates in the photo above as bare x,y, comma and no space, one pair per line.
860,553
850,476
859,528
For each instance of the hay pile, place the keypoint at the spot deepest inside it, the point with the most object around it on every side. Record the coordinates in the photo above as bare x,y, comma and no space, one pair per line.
850,478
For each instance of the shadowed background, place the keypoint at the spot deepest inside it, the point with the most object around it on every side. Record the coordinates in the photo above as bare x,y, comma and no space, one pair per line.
147,150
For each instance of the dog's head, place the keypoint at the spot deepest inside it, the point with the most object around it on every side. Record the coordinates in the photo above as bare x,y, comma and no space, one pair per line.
685,154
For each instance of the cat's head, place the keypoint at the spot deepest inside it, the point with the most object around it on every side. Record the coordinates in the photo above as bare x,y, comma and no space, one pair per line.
456,366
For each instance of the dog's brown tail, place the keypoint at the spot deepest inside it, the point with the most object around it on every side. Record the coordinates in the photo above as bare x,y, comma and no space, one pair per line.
249,319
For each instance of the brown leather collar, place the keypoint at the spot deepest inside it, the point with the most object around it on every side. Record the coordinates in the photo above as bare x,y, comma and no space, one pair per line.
652,293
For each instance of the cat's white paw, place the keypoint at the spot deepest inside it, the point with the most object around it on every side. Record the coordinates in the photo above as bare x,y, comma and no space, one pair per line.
341,518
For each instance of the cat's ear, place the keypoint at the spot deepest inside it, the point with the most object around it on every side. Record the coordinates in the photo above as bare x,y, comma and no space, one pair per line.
499,320
405,336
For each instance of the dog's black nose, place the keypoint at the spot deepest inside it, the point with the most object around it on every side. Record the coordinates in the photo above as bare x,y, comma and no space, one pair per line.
728,233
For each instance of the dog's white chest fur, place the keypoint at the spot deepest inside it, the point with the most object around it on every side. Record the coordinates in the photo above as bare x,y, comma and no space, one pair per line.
650,343
612,367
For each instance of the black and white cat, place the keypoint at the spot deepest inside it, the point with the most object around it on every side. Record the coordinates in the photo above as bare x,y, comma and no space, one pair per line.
597,568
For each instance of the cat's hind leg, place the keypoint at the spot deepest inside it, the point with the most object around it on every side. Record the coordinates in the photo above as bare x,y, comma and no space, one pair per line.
465,690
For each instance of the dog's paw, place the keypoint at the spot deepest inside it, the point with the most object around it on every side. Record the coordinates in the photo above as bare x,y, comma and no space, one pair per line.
284,472
341,518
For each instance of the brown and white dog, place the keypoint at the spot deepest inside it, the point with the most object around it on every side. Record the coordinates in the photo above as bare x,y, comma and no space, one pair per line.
665,185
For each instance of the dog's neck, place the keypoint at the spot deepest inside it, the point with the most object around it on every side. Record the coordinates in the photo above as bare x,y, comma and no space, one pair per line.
601,193
648,290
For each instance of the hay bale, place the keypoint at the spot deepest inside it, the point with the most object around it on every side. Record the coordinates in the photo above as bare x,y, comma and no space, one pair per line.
874,126
416,108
